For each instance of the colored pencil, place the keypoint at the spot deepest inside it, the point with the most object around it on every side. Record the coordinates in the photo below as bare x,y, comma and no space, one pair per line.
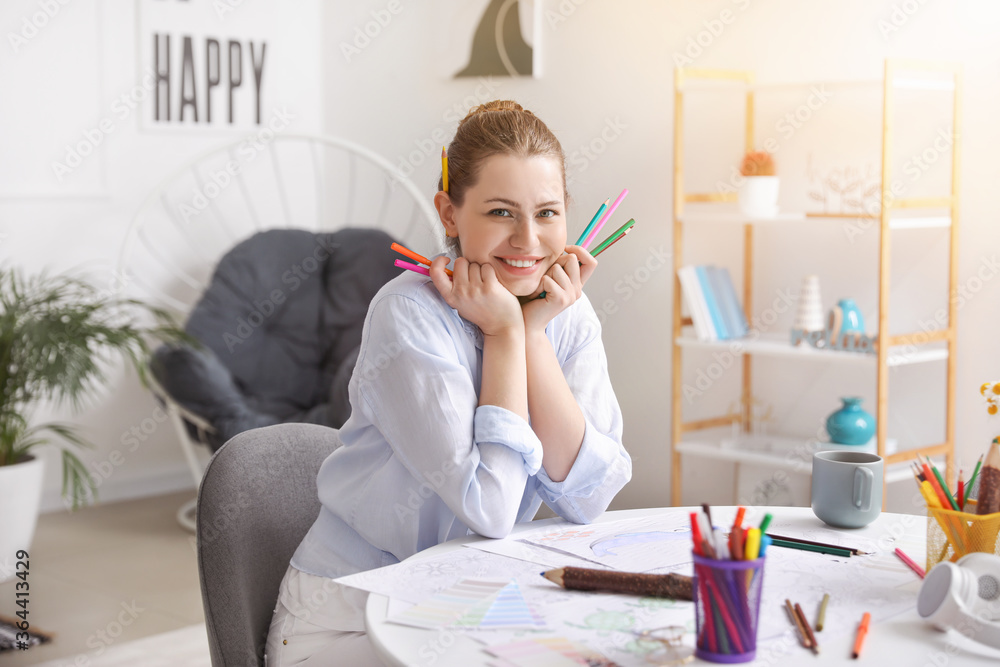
444,169
766,523
414,256
972,480
862,633
614,237
752,548
803,637
803,546
960,494
821,619
619,238
910,563
855,551
740,513
670,586
416,268
944,485
587,241
932,480
809,630
593,221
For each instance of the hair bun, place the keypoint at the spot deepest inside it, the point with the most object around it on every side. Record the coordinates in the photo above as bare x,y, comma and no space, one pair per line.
496,105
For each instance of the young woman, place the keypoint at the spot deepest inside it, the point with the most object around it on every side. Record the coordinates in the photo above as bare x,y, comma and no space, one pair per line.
474,398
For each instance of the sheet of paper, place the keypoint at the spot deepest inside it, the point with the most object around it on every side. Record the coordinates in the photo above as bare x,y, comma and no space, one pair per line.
447,606
534,554
633,545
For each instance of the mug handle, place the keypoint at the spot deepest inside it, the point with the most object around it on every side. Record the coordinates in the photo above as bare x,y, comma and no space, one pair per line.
863,480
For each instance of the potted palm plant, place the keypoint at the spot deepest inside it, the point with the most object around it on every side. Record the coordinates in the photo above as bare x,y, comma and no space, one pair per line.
57,336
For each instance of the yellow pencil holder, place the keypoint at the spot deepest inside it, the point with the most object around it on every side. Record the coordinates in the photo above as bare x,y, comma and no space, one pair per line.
951,534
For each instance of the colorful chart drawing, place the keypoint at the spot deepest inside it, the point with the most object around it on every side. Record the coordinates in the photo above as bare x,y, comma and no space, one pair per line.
609,546
505,609
444,607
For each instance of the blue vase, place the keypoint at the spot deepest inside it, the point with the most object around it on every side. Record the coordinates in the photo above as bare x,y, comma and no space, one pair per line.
851,320
850,425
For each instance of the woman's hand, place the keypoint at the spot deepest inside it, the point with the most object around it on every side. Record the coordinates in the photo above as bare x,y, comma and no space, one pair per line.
478,296
563,285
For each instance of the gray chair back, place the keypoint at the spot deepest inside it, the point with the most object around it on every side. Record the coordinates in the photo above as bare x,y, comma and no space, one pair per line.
257,500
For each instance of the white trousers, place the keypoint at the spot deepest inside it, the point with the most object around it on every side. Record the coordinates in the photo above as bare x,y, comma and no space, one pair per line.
318,622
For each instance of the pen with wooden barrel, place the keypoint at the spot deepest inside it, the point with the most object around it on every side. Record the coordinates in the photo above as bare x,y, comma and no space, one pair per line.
675,586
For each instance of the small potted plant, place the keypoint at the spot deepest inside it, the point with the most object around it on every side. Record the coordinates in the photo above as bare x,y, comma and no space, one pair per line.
57,335
758,194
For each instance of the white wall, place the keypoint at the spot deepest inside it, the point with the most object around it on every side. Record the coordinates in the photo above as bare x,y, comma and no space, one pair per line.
60,83
606,93
607,83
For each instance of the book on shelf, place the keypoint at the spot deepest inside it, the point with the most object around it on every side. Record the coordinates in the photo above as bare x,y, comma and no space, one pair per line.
712,302
697,307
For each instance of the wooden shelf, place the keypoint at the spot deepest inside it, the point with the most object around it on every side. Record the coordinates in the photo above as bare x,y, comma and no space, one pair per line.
779,346
716,210
780,452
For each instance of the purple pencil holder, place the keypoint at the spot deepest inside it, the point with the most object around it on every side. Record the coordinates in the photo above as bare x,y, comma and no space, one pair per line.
727,608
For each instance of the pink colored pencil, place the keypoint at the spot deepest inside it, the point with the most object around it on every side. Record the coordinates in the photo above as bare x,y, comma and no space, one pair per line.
607,214
910,563
412,267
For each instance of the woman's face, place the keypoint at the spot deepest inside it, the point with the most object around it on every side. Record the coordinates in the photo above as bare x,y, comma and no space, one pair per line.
513,219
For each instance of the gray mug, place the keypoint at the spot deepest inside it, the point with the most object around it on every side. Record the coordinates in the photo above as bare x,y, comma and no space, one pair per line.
847,488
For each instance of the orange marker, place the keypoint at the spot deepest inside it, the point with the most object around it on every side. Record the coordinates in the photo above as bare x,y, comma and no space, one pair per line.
862,632
414,256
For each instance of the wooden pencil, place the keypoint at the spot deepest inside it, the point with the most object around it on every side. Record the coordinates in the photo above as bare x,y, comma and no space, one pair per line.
803,637
988,498
673,586
809,630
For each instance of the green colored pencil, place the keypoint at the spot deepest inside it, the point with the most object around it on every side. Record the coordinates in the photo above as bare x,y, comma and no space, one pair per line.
833,551
766,523
972,480
614,237
597,216
944,484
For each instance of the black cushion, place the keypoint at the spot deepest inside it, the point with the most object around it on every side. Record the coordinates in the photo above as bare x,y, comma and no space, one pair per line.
281,325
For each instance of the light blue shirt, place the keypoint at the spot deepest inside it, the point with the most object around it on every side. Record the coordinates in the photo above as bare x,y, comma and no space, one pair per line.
422,462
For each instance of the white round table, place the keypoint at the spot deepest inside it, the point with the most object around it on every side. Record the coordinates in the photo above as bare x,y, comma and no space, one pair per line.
904,639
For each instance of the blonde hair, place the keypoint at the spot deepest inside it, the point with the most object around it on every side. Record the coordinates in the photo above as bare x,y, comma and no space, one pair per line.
499,127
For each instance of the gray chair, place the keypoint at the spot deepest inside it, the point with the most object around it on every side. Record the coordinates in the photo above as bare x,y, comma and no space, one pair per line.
256,502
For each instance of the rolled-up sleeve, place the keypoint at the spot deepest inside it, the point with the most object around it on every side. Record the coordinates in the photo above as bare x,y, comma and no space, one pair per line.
477,459
602,467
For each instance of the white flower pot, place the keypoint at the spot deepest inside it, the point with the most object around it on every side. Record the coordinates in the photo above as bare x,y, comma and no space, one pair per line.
758,196
20,498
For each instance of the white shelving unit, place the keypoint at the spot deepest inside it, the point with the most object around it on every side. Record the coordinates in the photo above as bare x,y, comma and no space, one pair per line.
715,211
